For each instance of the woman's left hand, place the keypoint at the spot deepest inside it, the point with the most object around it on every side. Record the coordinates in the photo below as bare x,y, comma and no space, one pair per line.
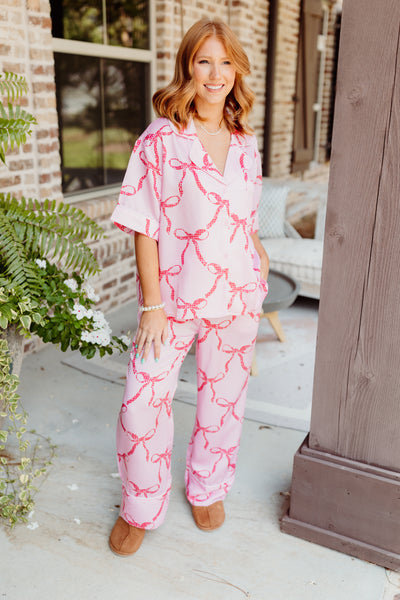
264,266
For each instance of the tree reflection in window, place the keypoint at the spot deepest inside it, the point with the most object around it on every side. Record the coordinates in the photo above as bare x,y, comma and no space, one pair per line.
127,24
123,23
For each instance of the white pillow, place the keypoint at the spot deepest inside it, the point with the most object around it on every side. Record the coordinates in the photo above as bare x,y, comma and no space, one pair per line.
271,211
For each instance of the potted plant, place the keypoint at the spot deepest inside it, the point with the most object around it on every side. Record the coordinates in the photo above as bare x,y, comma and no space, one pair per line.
44,264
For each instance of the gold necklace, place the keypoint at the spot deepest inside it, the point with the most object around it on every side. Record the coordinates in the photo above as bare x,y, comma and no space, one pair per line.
210,132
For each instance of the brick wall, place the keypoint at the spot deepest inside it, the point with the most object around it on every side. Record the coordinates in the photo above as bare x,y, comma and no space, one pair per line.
285,87
115,284
26,48
249,20
330,69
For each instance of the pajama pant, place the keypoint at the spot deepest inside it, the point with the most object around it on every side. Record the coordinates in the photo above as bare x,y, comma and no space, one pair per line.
145,426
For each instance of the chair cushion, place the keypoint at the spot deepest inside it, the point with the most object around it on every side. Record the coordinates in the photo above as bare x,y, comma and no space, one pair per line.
300,259
271,211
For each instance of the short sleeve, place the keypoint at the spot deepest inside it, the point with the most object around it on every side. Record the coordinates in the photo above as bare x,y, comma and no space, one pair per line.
138,207
257,183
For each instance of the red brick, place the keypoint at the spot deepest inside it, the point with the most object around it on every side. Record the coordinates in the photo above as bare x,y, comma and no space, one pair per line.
33,5
109,262
44,178
43,86
4,49
127,277
42,133
110,284
48,147
44,22
19,165
10,181
41,54
14,67
43,70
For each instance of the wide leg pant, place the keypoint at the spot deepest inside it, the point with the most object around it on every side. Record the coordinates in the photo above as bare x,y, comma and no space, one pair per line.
145,426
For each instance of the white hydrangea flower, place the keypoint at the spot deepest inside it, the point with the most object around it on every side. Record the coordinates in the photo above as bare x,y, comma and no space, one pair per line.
41,263
101,337
126,340
100,322
98,317
89,291
86,336
79,311
72,284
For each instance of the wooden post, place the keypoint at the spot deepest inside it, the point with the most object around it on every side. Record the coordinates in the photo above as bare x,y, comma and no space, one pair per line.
346,477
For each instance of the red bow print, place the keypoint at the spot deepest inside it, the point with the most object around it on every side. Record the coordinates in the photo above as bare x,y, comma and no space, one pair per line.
171,272
198,304
239,291
195,238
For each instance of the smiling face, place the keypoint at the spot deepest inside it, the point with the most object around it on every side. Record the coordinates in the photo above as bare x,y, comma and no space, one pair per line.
213,75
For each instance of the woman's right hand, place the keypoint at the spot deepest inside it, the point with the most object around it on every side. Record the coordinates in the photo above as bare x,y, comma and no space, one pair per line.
152,330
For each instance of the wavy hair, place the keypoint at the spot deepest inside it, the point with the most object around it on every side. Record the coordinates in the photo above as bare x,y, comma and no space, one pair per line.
176,100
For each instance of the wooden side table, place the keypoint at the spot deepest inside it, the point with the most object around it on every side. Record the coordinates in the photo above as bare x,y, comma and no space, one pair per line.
282,292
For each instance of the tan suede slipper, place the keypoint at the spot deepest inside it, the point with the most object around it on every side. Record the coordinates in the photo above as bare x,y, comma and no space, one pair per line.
125,539
210,517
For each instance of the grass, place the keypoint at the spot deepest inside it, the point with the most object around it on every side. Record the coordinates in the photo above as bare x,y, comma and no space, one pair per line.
82,149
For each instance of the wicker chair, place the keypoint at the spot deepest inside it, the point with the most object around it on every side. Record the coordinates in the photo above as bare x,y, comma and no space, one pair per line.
289,253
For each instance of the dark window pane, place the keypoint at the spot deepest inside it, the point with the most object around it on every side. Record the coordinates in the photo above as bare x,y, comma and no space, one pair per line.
78,20
128,23
102,110
79,111
125,101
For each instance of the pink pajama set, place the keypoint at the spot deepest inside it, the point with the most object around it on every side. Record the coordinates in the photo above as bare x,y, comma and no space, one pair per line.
211,285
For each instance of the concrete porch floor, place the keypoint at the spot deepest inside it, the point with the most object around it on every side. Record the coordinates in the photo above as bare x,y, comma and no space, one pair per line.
63,552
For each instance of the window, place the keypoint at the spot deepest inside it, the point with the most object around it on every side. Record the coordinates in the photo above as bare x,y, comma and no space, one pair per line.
102,69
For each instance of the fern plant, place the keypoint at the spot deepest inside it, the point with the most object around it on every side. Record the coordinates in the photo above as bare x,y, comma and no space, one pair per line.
30,229
34,233
15,122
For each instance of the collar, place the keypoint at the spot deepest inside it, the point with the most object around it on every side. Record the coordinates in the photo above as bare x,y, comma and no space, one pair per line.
199,156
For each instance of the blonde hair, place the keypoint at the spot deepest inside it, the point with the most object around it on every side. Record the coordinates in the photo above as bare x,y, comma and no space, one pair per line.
176,100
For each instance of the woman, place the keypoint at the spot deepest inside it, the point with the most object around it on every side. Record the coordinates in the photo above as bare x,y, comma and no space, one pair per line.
190,196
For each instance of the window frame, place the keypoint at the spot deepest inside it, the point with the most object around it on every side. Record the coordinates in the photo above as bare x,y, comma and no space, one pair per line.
78,47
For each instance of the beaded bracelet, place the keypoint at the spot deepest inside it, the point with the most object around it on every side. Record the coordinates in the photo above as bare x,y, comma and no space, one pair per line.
155,307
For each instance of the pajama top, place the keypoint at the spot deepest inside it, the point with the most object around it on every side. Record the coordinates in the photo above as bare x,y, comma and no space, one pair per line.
173,192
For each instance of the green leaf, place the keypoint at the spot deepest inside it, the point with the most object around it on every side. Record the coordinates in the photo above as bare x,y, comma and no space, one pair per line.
65,344
36,317
12,85
14,127
26,321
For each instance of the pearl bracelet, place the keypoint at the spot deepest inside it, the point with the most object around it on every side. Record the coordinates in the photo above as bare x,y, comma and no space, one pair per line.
155,307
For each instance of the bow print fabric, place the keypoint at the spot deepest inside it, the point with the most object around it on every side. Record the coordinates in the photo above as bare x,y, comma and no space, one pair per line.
201,218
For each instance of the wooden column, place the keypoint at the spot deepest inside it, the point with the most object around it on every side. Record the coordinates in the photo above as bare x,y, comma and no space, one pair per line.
346,478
